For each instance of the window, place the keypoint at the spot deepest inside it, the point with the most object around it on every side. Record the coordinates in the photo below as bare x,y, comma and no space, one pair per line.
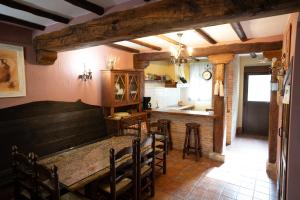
200,90
259,88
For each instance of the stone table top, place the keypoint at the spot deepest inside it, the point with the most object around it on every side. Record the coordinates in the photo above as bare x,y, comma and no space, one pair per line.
80,166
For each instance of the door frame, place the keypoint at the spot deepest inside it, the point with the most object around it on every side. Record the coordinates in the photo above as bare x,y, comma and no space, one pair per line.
253,70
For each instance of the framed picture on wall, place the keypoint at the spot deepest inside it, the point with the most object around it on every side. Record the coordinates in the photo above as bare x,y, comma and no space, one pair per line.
12,71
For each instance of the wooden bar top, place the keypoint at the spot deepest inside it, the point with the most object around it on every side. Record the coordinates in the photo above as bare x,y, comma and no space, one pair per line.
184,112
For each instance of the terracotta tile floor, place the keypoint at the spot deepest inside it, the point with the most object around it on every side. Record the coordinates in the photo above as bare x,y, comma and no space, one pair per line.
242,176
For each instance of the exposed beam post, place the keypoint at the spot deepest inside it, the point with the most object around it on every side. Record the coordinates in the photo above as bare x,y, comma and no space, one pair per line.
219,62
35,11
205,36
274,108
237,27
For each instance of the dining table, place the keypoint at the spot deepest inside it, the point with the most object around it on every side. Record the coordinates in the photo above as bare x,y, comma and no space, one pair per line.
80,166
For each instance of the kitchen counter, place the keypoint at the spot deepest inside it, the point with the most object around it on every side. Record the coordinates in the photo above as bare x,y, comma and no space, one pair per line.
183,112
179,118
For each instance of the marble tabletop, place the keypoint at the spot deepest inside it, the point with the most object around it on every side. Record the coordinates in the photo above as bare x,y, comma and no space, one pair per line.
80,166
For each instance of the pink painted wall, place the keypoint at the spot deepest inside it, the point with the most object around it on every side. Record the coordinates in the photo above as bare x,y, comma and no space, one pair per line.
293,174
60,81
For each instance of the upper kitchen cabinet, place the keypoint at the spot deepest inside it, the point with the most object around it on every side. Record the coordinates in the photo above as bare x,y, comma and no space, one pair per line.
121,88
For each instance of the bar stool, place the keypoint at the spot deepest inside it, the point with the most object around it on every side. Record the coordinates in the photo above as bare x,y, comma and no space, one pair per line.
192,128
167,123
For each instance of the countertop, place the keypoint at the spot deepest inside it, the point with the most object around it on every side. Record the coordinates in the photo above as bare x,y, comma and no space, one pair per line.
184,112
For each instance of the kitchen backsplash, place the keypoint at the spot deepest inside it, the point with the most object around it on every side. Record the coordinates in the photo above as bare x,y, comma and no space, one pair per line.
161,96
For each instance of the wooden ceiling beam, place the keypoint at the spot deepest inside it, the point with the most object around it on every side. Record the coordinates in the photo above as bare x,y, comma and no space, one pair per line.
145,44
35,11
157,18
17,21
273,54
87,5
237,27
170,40
123,48
238,48
205,36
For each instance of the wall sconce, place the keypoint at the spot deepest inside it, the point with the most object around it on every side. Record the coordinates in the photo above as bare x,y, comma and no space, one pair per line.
86,75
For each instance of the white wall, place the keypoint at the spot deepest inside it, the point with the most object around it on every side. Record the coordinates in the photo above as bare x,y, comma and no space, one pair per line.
235,96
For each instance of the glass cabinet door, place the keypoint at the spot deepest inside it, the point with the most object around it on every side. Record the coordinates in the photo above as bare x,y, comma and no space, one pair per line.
120,87
133,81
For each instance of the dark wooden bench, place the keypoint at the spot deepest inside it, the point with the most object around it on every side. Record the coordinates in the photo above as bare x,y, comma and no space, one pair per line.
46,127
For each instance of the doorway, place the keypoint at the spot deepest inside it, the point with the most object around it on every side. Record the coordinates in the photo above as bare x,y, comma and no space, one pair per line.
256,100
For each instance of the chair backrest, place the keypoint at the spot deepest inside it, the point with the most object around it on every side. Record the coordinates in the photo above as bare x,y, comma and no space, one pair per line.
145,157
131,127
47,183
46,180
23,175
123,165
160,128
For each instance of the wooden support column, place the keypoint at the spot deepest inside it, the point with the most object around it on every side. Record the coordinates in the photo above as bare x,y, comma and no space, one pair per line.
273,121
219,62
274,109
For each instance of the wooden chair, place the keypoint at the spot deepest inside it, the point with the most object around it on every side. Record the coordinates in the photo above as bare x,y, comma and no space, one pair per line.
161,145
146,167
123,174
131,127
23,175
47,184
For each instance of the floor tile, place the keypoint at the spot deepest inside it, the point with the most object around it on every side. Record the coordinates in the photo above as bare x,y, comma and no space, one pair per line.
242,177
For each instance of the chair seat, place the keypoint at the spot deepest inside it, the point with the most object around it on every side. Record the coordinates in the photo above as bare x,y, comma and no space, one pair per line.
159,144
122,184
145,169
158,150
25,194
72,196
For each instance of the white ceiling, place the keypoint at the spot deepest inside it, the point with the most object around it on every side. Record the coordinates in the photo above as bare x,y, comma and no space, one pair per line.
60,7
265,26
223,34
257,28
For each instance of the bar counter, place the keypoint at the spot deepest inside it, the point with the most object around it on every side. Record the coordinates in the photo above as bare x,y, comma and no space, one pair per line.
178,120
184,112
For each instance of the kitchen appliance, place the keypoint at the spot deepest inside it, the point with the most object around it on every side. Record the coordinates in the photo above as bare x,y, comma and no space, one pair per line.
146,103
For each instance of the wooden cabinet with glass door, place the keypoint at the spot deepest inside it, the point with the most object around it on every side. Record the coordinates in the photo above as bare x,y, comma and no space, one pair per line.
121,88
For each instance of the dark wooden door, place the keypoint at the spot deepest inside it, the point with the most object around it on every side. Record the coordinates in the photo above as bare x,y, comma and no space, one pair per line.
257,83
